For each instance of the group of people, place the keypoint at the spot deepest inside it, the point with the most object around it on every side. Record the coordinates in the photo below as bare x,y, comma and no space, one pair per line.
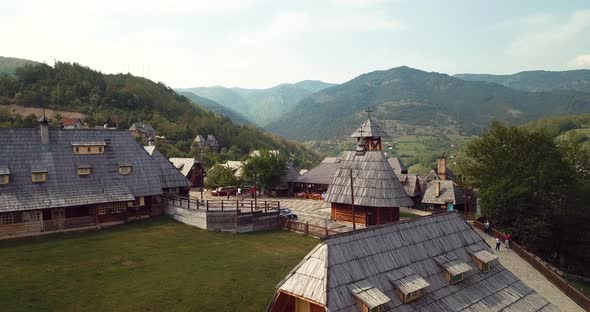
507,237
239,192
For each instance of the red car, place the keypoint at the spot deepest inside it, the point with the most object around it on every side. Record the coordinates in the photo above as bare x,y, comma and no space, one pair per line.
224,190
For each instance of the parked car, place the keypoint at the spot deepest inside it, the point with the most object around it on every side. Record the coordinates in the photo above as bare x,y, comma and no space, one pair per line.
287,214
224,190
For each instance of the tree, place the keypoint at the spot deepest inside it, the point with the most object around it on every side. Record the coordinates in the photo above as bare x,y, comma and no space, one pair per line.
531,188
220,176
264,168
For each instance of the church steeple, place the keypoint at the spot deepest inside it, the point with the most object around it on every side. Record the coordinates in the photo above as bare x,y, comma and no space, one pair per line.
371,133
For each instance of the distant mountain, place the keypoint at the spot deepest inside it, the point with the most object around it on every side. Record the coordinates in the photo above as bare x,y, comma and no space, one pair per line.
538,80
261,105
236,117
408,101
8,65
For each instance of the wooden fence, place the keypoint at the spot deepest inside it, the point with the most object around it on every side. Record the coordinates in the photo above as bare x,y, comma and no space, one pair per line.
544,268
68,223
241,206
307,229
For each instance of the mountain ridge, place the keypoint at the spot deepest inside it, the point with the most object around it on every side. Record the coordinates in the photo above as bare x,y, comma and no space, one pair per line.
261,105
537,80
409,99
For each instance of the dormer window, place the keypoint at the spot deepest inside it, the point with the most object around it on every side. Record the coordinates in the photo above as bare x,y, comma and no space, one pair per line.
125,168
84,170
409,285
38,174
483,259
369,298
454,268
4,176
88,148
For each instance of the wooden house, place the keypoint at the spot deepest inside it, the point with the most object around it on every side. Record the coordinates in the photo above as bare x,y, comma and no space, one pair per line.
378,193
443,195
142,130
410,182
71,123
192,169
435,263
317,179
55,179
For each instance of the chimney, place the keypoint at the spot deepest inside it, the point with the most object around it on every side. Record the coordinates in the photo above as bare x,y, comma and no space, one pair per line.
152,141
442,167
44,126
437,188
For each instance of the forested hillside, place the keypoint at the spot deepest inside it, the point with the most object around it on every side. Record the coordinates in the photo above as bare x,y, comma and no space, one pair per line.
72,87
407,100
235,116
261,105
573,128
8,65
538,80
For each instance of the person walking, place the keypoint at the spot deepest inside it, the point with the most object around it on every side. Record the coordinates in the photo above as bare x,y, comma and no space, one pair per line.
507,240
497,244
240,192
487,227
253,191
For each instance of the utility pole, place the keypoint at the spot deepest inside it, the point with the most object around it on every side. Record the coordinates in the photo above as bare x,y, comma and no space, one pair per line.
352,201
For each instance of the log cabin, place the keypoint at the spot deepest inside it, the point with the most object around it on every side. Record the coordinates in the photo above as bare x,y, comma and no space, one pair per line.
192,169
434,263
58,179
378,193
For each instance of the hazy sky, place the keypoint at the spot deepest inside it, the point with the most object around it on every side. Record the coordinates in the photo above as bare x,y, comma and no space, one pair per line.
260,43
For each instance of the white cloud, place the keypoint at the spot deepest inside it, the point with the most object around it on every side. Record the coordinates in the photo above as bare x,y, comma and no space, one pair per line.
549,33
580,61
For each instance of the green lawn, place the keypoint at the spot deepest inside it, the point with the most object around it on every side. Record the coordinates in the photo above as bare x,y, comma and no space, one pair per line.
154,265
581,286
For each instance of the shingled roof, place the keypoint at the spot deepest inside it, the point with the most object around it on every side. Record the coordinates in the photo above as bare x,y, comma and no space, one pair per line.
370,128
383,257
23,152
320,174
450,193
170,177
375,183
397,165
411,184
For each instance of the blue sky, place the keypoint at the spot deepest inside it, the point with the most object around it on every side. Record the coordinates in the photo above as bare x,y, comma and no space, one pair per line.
261,43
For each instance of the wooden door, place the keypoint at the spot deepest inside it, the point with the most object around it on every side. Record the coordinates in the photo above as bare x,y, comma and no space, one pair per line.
371,216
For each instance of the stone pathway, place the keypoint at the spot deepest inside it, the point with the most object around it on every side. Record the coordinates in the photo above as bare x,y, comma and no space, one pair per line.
532,277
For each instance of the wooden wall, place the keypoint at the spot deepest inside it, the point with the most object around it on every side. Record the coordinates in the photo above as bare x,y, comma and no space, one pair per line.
365,215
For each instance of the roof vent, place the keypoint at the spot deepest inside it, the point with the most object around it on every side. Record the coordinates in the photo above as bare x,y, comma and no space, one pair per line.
409,285
368,296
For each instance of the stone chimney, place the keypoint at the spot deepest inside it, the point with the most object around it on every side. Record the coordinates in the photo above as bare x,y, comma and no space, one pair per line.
44,127
442,167
437,188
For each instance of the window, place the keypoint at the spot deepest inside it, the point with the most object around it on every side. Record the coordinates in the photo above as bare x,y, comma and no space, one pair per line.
4,179
456,278
485,267
412,296
84,171
110,209
124,169
100,149
139,201
6,218
39,177
88,148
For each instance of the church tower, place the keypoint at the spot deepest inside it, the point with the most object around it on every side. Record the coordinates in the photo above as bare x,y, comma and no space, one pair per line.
371,133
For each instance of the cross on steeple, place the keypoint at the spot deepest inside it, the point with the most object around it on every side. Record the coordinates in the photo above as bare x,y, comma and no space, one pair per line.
369,111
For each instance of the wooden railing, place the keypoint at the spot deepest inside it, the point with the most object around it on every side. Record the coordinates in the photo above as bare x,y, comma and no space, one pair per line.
68,223
307,229
544,268
240,206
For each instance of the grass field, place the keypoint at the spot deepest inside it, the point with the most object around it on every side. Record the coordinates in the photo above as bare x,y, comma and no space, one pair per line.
154,265
408,215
